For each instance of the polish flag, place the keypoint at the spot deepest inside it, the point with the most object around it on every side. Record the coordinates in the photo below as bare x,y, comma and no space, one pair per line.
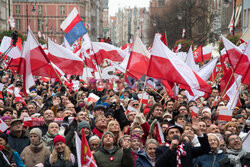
3,126
243,66
207,53
34,62
194,111
206,71
144,98
198,54
234,52
227,79
127,47
93,98
63,58
224,60
10,89
106,51
159,134
75,85
139,59
1,90
129,109
190,60
225,115
18,96
233,93
44,79
165,65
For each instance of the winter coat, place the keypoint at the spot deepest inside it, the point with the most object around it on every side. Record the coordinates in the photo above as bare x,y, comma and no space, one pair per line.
33,155
12,156
245,161
48,141
44,129
167,157
20,143
18,160
210,159
60,162
116,158
143,160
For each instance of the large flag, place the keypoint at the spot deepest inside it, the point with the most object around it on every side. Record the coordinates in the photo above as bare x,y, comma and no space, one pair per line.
206,71
63,58
226,81
224,60
34,62
73,26
139,59
242,68
198,54
233,93
234,53
83,152
165,65
106,51
190,60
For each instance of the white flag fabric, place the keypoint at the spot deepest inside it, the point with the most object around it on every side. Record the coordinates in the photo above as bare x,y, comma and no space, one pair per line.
232,92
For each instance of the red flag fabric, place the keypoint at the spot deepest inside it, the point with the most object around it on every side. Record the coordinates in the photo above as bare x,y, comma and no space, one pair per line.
225,115
165,65
164,39
86,155
223,60
227,78
139,59
198,54
207,53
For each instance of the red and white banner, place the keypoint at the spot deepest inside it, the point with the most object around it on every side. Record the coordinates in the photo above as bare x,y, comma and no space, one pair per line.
143,97
207,53
129,109
194,111
3,126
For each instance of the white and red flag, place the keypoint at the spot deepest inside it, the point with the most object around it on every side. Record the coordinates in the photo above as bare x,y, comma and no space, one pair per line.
190,60
1,90
93,98
3,126
207,53
206,71
34,62
18,96
194,111
225,115
129,109
63,58
233,93
139,59
106,51
198,54
143,97
10,89
165,65
83,152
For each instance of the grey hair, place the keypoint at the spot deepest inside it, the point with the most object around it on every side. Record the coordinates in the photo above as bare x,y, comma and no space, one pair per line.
151,141
94,138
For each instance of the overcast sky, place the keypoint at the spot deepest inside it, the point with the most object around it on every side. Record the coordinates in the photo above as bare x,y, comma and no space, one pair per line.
115,4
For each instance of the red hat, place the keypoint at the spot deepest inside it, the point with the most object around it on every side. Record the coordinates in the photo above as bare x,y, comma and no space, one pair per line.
59,138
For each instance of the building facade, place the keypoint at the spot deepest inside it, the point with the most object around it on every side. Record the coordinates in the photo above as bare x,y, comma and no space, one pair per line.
5,12
45,16
245,15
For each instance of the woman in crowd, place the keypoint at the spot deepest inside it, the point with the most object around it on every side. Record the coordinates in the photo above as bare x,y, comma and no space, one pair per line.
61,155
48,138
147,158
36,152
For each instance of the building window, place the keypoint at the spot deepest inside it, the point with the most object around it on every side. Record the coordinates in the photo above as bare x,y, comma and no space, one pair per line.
18,24
17,9
40,25
62,10
40,9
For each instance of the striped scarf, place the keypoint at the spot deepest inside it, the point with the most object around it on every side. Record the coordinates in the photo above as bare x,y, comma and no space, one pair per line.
179,151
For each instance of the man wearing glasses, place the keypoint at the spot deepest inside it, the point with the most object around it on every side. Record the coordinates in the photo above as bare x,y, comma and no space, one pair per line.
236,156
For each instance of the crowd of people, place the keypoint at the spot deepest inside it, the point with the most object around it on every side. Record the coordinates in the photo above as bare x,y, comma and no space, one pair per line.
157,134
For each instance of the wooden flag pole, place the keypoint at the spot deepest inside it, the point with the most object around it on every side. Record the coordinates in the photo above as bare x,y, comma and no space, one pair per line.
224,91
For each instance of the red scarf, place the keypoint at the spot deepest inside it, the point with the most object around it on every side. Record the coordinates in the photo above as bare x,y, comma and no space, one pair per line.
97,132
1,147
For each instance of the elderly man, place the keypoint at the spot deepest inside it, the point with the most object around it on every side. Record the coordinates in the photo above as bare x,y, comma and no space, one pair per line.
111,155
176,153
236,156
17,138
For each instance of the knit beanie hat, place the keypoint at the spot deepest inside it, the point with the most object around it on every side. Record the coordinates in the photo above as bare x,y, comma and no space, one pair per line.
5,118
83,124
108,132
59,138
4,136
37,132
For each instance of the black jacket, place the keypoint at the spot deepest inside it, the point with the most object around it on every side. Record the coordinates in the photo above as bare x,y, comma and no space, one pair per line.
20,143
245,161
167,157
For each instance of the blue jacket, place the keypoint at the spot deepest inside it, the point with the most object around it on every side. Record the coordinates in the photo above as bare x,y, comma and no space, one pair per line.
143,160
209,160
